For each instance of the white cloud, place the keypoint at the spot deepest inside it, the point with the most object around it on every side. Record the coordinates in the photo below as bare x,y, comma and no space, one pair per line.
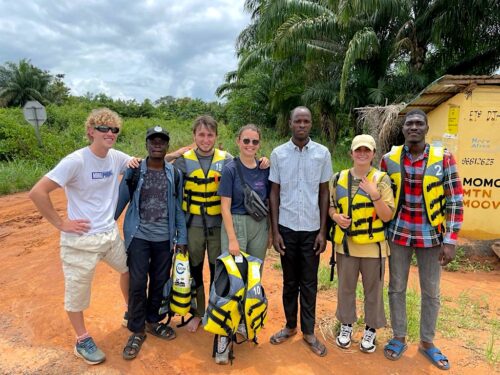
127,49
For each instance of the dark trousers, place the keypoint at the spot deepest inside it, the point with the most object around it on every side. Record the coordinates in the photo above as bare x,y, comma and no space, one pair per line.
300,275
153,259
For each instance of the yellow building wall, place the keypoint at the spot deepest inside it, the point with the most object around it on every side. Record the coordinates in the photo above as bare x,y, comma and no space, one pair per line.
469,126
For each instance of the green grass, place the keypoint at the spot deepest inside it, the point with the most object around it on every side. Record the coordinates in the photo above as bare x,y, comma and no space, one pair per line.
324,282
466,313
19,175
461,263
276,266
492,354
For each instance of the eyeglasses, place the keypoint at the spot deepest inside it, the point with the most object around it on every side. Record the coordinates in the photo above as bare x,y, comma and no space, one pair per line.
105,129
247,141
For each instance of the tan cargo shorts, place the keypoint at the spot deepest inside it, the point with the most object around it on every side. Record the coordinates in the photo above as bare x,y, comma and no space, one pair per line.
80,255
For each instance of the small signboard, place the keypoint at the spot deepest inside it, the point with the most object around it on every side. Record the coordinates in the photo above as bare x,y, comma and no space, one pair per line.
35,114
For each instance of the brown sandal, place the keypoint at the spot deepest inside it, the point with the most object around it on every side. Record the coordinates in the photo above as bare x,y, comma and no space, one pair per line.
281,336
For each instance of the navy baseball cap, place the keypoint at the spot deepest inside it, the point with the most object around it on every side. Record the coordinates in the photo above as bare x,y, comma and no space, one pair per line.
157,130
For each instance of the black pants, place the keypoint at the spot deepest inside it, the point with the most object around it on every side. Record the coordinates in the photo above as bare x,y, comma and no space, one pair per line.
153,259
300,275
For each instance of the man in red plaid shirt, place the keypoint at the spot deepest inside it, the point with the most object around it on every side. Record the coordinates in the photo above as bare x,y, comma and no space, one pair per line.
427,219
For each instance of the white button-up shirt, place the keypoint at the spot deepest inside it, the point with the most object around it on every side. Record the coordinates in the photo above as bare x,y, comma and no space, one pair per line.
299,174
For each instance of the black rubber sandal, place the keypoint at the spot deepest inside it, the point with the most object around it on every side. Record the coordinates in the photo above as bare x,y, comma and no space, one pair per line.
133,346
161,330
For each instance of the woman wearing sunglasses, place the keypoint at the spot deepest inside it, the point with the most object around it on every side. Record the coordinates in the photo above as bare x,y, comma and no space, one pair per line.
240,231
361,201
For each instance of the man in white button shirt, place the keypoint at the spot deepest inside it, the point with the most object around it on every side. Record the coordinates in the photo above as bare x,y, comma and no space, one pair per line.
299,200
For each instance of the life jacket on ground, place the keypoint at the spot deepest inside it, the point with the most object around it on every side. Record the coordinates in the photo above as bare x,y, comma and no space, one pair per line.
200,190
366,227
432,184
179,291
236,296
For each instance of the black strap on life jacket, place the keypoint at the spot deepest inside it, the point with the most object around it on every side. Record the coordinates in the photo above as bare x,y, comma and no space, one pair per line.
202,180
357,206
332,264
254,306
434,184
220,322
201,194
380,259
364,231
436,201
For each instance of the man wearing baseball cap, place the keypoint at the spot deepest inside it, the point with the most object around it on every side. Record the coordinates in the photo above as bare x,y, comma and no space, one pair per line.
154,222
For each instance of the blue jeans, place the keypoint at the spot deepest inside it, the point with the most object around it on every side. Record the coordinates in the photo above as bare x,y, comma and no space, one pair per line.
429,274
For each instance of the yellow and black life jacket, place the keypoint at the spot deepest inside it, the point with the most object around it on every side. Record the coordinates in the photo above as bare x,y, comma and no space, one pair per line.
200,190
432,184
179,291
234,299
366,227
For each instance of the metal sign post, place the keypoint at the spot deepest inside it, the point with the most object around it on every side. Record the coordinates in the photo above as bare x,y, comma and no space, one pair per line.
36,115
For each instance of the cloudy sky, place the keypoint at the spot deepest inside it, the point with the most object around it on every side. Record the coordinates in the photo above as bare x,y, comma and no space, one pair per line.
126,49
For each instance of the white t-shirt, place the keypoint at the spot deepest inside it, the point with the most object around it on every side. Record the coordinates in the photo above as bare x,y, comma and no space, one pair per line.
91,185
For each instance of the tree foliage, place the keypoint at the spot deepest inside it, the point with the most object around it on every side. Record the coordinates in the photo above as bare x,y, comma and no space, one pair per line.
336,55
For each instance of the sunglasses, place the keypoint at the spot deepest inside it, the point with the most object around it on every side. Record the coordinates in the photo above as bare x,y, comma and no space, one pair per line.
247,141
105,129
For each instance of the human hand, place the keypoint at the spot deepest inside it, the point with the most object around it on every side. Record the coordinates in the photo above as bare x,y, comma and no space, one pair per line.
181,151
234,247
264,163
370,187
446,254
278,243
78,226
182,248
319,243
342,220
134,162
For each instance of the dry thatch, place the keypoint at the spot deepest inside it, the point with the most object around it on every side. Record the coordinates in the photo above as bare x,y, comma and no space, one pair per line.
382,123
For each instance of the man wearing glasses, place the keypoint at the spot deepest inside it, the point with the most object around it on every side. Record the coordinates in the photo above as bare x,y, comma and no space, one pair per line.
89,177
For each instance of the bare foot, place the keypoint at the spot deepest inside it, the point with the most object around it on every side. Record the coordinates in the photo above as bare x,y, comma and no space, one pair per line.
193,325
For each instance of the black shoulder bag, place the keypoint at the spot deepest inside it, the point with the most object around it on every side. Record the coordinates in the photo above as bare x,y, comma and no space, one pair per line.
253,204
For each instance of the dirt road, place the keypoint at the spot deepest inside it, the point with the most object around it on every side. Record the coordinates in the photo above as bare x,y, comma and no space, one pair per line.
36,338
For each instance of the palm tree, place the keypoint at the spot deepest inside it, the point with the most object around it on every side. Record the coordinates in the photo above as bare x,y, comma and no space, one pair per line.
22,82
336,55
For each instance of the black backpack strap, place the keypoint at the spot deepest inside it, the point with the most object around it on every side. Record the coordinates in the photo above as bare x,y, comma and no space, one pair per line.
133,180
240,173
177,179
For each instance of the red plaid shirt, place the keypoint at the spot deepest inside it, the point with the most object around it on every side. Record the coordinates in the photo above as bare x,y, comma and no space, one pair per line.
410,226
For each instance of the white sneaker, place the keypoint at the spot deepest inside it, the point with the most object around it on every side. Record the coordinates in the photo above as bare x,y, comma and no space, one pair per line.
344,337
222,352
367,343
242,331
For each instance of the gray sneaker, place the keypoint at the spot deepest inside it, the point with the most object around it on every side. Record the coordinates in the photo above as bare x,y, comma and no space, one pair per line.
89,352
222,352
242,331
